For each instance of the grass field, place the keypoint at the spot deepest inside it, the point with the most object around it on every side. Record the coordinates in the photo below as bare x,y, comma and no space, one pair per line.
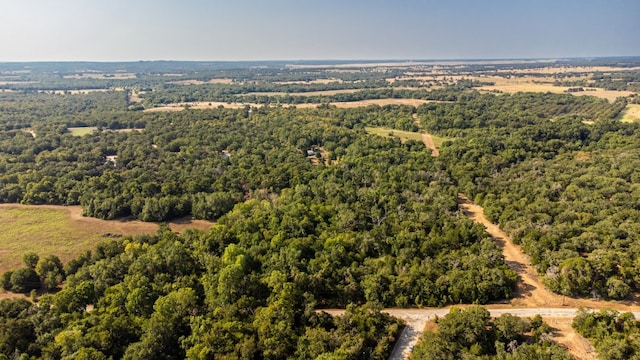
402,135
631,113
62,231
81,131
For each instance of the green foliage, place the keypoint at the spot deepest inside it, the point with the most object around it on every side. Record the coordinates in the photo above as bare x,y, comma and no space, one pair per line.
614,335
30,259
470,334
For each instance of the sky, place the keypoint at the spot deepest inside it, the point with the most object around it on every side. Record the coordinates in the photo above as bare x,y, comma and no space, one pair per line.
133,30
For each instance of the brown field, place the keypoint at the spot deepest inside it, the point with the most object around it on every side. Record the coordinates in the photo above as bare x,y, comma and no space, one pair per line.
308,93
352,104
200,82
538,84
631,113
315,81
134,96
380,102
64,232
199,105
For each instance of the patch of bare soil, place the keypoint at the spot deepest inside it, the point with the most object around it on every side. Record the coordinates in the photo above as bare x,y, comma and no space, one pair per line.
565,335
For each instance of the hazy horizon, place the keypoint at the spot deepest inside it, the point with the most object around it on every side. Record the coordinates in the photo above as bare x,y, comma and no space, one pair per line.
287,30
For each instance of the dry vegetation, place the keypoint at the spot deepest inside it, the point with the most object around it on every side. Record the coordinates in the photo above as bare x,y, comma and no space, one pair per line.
351,104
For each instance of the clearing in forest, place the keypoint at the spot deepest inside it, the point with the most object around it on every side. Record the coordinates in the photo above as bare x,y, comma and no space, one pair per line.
82,130
631,113
64,232
402,135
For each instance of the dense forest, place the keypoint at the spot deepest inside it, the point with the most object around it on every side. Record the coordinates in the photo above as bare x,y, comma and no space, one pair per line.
560,178
311,211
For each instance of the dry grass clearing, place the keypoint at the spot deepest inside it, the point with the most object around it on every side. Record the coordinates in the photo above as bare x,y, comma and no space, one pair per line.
402,135
610,95
199,105
350,104
307,93
380,102
63,231
200,82
134,96
315,81
537,84
631,113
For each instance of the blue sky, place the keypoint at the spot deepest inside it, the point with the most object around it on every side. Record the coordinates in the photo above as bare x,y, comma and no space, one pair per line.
124,30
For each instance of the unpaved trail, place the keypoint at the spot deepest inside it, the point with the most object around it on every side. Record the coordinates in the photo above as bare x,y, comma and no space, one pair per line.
530,292
426,138
531,298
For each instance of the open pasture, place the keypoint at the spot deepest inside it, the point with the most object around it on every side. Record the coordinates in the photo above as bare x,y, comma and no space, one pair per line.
63,231
82,130
631,113
402,135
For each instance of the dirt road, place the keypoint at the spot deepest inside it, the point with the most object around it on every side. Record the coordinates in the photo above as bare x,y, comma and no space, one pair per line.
531,292
426,138
531,298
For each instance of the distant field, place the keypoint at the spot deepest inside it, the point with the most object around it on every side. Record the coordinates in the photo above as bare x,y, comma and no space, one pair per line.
315,81
537,84
631,113
102,76
308,93
349,104
380,102
200,82
63,231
